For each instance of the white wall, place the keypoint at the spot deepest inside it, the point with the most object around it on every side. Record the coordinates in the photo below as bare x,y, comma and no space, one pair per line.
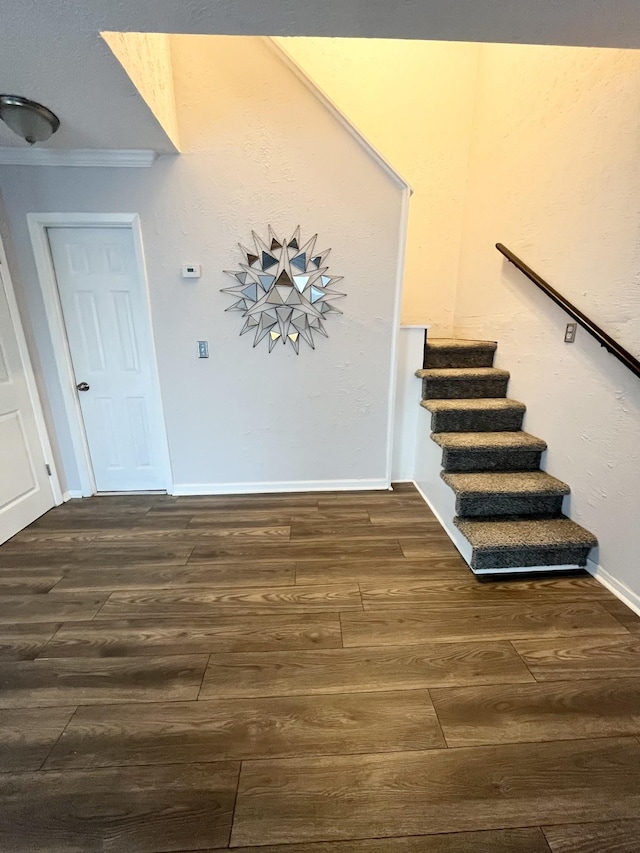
554,175
260,149
407,409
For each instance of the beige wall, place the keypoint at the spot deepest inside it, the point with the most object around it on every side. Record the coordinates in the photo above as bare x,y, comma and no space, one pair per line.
554,175
146,57
413,100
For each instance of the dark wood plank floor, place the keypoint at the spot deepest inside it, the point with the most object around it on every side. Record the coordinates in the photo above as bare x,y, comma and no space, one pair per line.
315,673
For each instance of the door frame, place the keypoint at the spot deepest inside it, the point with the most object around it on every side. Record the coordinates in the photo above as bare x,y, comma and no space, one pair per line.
34,396
38,224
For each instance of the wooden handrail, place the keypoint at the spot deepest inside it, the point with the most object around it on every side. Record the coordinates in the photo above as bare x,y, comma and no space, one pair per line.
601,336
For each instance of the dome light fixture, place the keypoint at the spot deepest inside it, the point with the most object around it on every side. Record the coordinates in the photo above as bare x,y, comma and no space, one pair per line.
33,122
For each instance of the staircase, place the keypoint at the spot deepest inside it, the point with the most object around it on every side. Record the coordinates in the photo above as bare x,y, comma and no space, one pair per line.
503,513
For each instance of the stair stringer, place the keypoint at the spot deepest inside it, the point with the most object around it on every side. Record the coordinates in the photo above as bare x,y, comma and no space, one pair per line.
441,500
438,496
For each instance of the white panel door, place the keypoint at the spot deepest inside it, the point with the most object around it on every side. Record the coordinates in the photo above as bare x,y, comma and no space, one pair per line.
25,490
108,327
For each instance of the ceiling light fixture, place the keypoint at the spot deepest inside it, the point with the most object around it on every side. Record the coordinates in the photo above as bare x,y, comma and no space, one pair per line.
30,120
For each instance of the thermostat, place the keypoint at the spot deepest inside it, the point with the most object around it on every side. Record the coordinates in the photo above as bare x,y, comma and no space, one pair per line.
191,271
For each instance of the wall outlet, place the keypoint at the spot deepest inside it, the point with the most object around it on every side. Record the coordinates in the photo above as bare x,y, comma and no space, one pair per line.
570,333
203,349
191,271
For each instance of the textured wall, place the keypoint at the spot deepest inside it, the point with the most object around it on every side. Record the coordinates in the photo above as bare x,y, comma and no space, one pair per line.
413,100
554,176
259,149
146,57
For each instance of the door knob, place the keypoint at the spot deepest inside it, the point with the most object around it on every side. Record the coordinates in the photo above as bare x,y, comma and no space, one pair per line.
83,386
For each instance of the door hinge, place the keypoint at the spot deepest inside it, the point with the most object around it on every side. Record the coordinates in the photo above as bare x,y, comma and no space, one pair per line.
48,467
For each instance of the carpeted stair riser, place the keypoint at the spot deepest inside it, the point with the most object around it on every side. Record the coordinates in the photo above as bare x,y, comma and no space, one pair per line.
471,389
474,506
559,555
491,460
476,357
477,421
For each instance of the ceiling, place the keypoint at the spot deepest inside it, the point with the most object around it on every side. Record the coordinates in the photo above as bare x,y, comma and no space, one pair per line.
52,52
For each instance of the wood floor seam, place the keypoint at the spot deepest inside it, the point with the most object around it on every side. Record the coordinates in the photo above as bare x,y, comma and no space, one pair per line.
345,692
435,711
511,643
204,671
101,608
534,743
546,840
57,741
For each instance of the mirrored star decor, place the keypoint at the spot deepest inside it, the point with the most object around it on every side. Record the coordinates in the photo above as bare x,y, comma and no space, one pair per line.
284,290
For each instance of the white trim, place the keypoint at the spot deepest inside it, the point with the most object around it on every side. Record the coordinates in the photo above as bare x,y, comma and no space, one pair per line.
38,223
620,590
525,570
407,410
437,495
32,388
275,487
335,110
415,325
142,158
462,544
72,494
395,330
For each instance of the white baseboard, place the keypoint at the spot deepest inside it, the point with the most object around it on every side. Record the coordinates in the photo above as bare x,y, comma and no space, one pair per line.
525,570
72,494
620,590
182,489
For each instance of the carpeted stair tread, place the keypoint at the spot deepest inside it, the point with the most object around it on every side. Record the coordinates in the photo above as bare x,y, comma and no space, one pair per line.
483,404
451,352
474,414
454,383
483,441
462,373
459,344
505,483
504,534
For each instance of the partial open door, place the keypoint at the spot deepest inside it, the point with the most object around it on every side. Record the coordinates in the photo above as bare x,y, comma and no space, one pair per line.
25,488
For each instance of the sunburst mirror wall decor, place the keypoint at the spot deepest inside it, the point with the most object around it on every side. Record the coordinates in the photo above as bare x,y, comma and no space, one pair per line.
284,290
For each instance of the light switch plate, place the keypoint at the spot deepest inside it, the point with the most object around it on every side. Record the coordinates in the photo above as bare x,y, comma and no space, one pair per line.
203,349
570,333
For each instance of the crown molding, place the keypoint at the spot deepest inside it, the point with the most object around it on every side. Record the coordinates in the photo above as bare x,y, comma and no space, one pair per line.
134,158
